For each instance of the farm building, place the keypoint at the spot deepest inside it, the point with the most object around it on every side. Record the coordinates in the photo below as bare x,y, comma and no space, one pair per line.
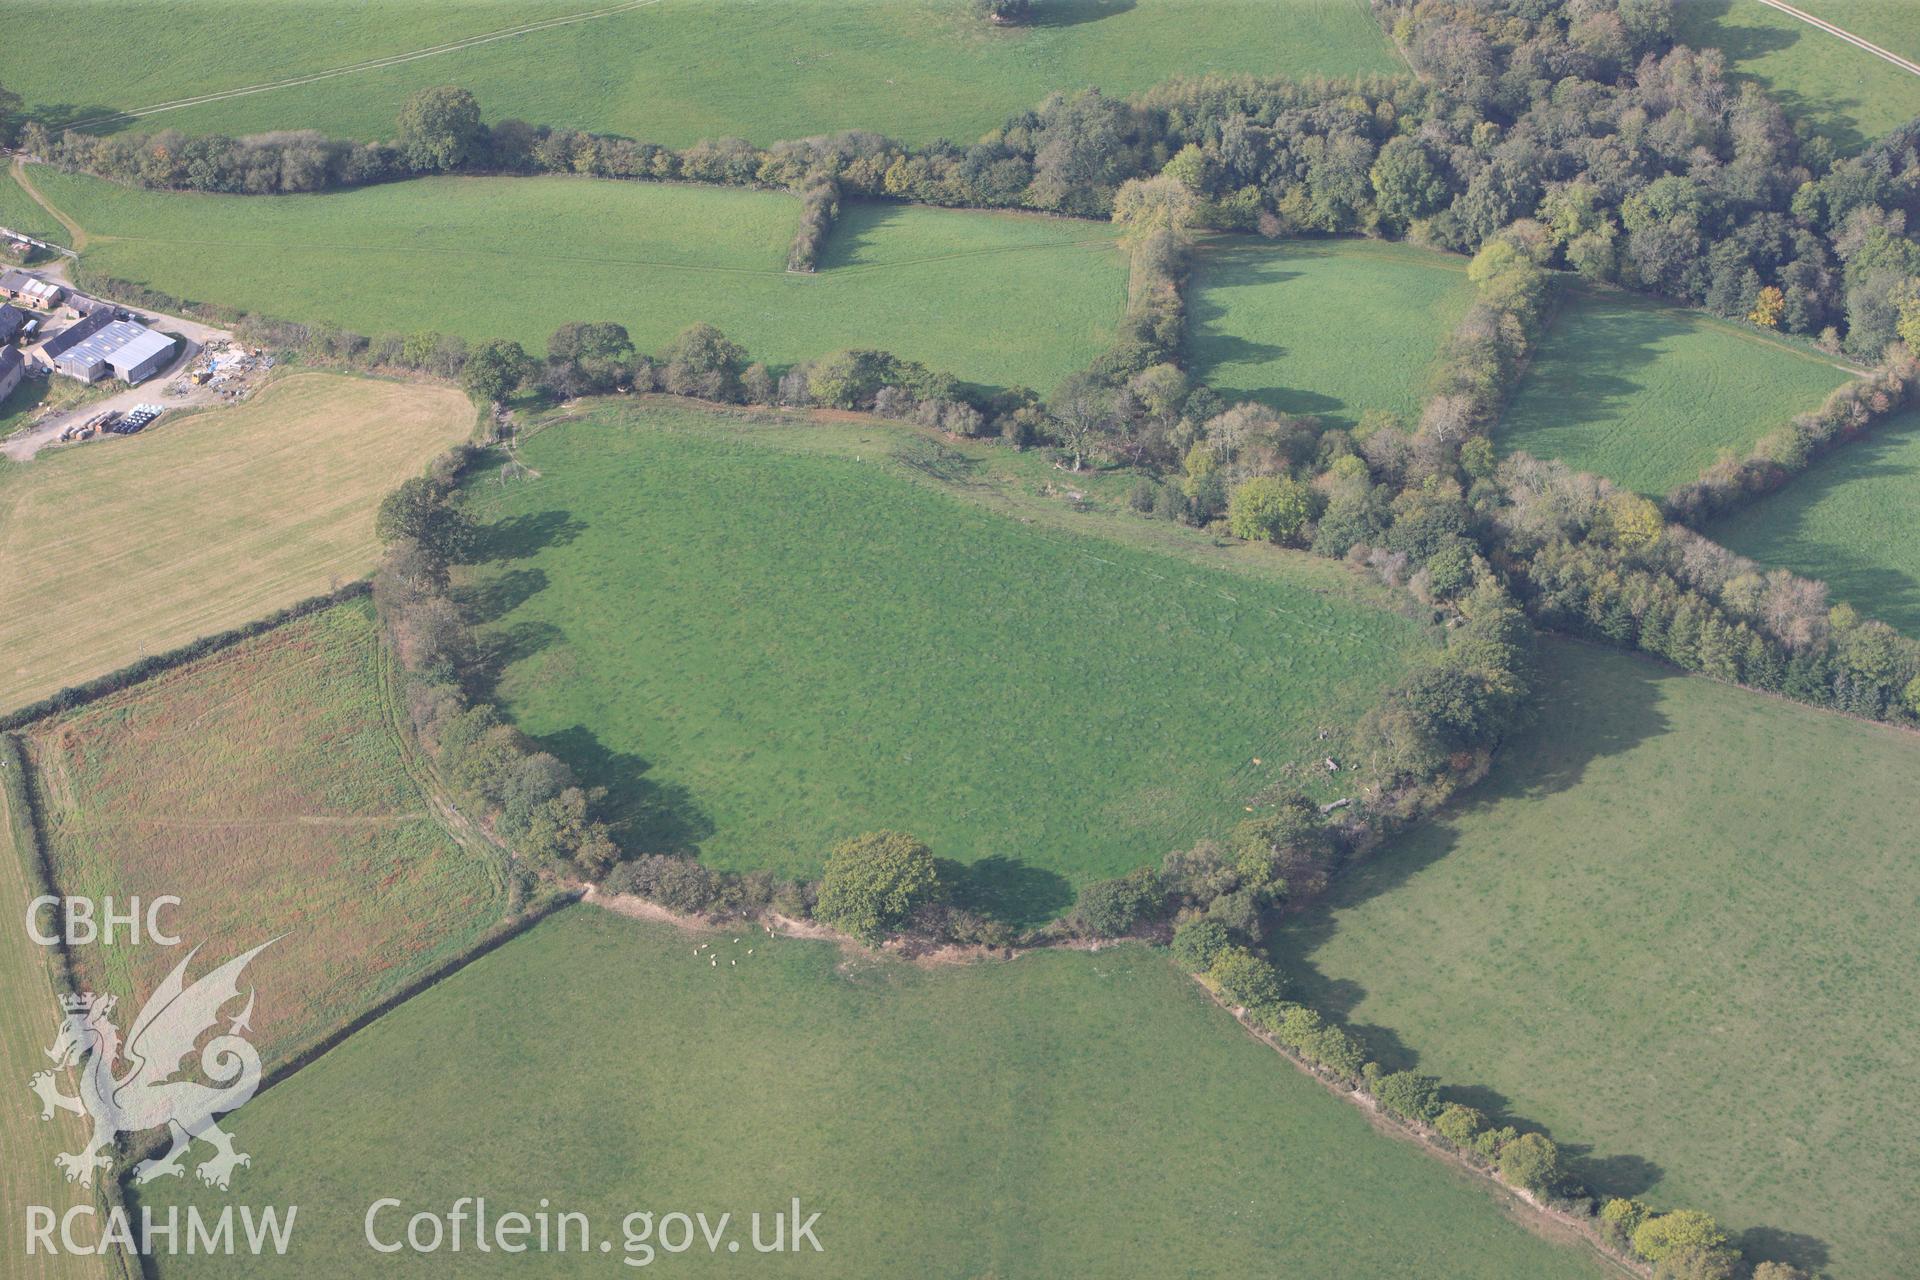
12,369
72,336
132,352
21,286
12,321
144,355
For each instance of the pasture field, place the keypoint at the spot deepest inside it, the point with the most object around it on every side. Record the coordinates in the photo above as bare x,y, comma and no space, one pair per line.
1849,522
125,547
764,640
993,298
1649,395
20,212
1888,23
1061,1114
1675,928
670,71
29,1020
267,787
1327,327
1843,93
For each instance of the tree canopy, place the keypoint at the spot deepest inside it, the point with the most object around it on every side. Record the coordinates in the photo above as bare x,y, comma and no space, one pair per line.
440,129
873,882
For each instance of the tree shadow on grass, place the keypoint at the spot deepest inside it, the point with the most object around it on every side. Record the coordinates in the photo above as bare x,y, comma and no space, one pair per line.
497,648
520,537
58,117
1617,1175
1591,703
646,814
1226,268
1701,22
1771,530
1594,703
1766,1244
1588,376
493,598
1006,889
1072,13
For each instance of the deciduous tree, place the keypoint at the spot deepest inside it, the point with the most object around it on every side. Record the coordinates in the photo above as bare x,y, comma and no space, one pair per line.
440,129
1269,509
874,881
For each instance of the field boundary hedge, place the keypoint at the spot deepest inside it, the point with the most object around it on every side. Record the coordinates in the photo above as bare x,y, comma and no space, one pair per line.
1424,1136
93,690
30,840
1850,413
17,776
819,206
502,933
1417,158
28,833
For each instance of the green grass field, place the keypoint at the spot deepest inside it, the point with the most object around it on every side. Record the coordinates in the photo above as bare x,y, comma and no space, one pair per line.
1888,23
1848,522
672,71
1059,1115
19,212
767,640
994,298
1327,327
1649,395
1845,93
1675,927
267,788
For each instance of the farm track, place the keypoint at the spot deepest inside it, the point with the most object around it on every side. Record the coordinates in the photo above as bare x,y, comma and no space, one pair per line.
74,230
1834,30
461,829
370,64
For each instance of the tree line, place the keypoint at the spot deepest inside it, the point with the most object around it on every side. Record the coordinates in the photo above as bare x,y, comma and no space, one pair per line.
1643,163
1849,413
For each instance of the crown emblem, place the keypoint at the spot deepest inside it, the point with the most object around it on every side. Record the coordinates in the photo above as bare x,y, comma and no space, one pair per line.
78,1003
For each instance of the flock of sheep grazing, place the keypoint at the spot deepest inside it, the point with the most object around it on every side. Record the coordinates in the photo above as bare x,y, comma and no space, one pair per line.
713,960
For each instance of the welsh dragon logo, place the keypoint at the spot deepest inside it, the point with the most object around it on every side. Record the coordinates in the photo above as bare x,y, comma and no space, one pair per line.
137,1092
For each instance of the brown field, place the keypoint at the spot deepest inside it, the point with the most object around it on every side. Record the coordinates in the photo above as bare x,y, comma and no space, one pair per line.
268,788
29,1019
125,547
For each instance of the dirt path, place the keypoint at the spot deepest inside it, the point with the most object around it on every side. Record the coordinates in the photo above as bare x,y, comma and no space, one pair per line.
1852,39
75,231
372,64
22,446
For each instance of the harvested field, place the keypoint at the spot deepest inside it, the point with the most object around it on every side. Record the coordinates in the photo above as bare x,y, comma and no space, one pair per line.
130,546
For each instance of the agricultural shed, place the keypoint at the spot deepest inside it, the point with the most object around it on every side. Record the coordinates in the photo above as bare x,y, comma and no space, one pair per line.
73,335
144,355
131,351
12,320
